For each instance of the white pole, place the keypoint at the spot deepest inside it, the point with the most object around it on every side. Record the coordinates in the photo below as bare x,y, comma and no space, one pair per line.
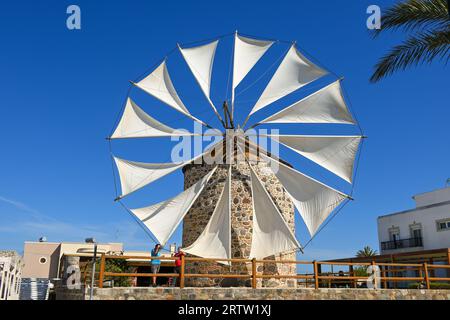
91,296
2,283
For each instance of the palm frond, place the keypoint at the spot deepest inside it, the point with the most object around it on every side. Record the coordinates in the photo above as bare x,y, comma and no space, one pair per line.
366,252
415,14
421,48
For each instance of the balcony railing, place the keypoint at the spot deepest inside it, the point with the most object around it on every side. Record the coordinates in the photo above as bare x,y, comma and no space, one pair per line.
402,243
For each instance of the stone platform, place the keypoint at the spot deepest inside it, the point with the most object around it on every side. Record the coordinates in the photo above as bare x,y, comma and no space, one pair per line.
251,294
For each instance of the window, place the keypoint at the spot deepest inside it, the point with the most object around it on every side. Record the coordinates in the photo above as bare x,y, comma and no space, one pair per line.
415,230
394,233
42,260
443,224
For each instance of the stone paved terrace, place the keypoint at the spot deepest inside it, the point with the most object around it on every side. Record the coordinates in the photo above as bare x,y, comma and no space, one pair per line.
252,294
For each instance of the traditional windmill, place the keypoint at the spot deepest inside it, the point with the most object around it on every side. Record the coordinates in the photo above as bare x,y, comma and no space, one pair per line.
267,225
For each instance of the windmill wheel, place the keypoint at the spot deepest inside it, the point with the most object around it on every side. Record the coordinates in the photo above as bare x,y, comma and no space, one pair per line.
315,201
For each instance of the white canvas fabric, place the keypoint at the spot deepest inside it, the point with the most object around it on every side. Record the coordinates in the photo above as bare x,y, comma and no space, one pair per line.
247,52
136,175
324,106
159,85
200,60
215,239
314,200
163,218
294,72
271,235
335,153
135,123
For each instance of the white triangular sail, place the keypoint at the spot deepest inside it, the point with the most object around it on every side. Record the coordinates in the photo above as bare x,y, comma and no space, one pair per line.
294,72
247,52
200,60
159,85
135,123
215,239
271,235
136,175
313,199
335,153
326,105
163,218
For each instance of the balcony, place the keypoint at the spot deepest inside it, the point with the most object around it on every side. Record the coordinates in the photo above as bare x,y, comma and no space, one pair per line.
402,243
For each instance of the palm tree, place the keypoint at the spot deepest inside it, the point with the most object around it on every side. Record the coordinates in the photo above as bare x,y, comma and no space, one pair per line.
366,252
428,24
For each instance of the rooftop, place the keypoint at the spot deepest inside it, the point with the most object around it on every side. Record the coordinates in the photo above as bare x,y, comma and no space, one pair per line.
426,200
8,253
68,242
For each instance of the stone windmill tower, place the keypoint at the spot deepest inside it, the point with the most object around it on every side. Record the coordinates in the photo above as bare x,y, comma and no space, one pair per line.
243,208
241,200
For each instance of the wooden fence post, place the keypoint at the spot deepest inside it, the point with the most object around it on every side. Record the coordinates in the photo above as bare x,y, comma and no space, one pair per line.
448,263
427,280
393,273
102,271
182,272
254,273
383,274
352,274
316,275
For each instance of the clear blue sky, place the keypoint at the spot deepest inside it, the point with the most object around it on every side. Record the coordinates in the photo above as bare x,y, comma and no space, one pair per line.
61,91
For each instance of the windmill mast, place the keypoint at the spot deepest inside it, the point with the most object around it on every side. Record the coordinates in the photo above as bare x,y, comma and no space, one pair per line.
227,116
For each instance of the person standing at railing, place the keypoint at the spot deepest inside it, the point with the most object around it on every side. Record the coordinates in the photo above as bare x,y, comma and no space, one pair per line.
156,263
177,268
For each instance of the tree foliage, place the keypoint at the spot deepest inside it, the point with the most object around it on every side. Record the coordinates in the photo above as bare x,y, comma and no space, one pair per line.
427,24
367,251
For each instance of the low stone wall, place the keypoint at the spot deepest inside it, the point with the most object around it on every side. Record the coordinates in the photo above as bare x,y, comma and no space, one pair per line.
261,294
64,293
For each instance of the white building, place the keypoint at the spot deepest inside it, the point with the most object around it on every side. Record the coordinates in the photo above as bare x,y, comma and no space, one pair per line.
10,275
425,227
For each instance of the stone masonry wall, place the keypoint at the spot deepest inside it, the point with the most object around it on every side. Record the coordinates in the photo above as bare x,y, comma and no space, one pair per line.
62,292
266,294
241,225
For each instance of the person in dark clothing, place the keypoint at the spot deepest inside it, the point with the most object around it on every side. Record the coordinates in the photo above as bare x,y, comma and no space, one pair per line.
177,267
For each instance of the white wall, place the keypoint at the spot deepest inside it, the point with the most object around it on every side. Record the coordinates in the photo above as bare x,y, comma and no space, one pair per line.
10,276
436,196
432,206
432,239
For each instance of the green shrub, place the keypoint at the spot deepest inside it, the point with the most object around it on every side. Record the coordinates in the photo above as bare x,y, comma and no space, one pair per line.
118,266
433,285
360,272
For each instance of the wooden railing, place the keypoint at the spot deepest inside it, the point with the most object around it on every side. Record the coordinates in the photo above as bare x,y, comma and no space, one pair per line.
388,276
